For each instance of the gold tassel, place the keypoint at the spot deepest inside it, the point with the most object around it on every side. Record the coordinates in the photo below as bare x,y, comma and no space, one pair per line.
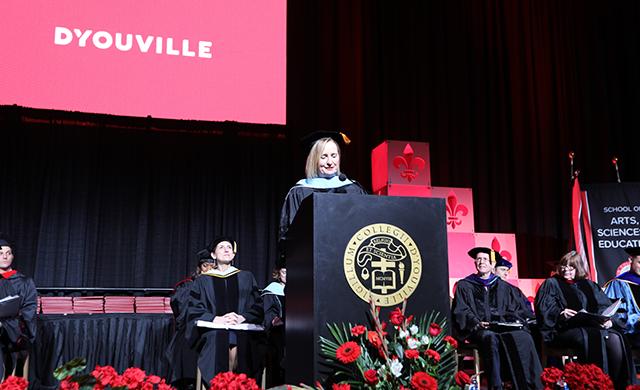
346,139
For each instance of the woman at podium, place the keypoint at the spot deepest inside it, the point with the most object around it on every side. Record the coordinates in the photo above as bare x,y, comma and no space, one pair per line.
224,297
560,305
18,329
322,172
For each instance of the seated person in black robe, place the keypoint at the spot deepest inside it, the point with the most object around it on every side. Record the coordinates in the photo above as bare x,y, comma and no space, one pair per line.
560,298
182,357
502,268
224,295
489,312
273,301
17,332
626,287
323,174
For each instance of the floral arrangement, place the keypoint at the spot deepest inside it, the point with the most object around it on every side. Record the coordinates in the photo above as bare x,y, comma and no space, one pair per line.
411,354
72,378
576,376
231,381
14,383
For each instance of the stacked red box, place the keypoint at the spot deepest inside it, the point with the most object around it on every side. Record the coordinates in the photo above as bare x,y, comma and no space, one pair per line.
401,168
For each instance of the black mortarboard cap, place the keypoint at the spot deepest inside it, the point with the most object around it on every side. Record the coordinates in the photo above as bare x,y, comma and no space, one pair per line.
502,262
219,239
339,137
634,251
204,256
4,240
493,255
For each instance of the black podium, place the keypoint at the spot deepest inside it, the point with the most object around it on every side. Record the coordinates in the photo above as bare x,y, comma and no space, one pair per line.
343,250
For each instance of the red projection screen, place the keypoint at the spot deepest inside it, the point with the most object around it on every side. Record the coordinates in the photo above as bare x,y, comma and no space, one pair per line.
197,59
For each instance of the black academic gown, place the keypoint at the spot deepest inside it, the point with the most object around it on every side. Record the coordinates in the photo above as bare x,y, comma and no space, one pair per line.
182,357
275,352
511,352
19,332
212,296
604,347
298,193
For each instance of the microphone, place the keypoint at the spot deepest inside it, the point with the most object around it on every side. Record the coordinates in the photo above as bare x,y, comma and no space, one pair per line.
343,177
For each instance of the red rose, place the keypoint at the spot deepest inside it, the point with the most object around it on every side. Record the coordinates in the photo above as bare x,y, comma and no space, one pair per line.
348,352
550,376
396,317
423,381
453,342
409,319
411,354
222,380
18,383
430,353
341,386
462,379
154,379
164,386
104,374
586,376
374,339
434,329
118,381
229,380
358,330
243,382
371,376
68,385
633,387
133,377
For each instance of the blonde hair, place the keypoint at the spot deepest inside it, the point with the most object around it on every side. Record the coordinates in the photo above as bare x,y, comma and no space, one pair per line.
574,260
311,169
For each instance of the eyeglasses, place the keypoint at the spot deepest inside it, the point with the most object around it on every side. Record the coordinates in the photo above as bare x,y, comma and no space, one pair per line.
567,268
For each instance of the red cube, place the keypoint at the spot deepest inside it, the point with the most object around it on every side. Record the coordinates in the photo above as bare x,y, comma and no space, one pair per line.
401,168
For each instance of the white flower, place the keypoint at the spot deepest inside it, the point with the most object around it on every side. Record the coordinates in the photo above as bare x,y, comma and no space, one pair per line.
403,334
396,368
413,343
425,339
413,329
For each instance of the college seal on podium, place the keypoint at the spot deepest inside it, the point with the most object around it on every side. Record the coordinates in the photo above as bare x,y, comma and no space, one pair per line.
383,263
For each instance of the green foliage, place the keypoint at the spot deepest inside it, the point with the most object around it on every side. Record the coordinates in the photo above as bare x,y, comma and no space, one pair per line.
70,368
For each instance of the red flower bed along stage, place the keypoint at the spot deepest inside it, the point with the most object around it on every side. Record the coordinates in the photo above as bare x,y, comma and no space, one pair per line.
14,383
576,377
72,377
231,381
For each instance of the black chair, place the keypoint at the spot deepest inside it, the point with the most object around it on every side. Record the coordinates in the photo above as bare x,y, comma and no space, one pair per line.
565,355
469,351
